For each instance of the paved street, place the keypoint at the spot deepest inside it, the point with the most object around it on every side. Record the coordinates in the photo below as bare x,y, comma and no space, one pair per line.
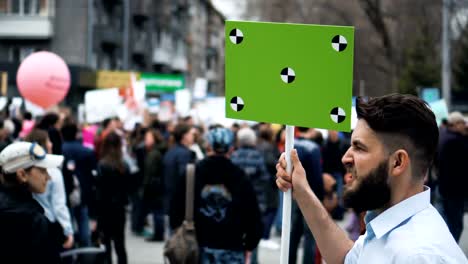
142,252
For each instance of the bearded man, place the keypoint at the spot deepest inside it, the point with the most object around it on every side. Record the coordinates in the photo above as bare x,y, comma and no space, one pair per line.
392,148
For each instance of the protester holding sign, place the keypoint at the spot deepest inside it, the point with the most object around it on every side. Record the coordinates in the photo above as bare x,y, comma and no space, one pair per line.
391,151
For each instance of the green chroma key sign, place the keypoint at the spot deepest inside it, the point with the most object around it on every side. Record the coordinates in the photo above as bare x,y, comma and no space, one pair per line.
291,74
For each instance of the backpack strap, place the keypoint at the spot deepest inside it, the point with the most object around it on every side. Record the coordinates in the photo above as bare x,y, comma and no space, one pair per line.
189,192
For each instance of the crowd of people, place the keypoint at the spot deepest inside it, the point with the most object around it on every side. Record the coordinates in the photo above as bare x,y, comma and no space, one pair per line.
140,175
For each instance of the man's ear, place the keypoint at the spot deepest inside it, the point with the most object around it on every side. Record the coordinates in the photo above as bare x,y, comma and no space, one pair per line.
21,176
399,162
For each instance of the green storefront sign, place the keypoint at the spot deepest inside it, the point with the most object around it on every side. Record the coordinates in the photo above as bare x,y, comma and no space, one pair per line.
162,82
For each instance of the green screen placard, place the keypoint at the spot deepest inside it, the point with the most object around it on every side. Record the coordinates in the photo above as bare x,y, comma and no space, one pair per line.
291,74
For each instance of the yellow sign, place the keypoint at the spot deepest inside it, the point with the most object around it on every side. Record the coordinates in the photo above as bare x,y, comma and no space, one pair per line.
105,79
4,83
110,79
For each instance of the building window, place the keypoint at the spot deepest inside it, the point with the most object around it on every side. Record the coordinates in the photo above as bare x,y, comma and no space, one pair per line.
24,7
18,54
105,62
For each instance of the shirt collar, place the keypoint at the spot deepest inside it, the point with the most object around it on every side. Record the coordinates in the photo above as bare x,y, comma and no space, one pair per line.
383,223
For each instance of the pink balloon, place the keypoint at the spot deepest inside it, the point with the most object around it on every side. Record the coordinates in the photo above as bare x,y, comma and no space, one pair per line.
43,78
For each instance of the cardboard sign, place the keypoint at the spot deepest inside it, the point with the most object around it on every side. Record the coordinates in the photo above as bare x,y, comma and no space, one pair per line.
200,88
430,95
183,100
290,74
34,109
101,104
440,110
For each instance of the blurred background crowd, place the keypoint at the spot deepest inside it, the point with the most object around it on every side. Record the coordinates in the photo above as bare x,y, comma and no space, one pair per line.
111,175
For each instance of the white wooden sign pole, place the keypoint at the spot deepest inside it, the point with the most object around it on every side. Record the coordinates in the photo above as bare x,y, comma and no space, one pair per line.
287,201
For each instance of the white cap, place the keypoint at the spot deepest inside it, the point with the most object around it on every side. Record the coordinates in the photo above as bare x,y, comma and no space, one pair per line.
22,155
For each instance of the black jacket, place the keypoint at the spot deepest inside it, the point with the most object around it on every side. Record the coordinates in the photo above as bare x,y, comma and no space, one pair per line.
226,211
26,236
271,155
85,163
332,153
174,162
112,189
153,188
452,165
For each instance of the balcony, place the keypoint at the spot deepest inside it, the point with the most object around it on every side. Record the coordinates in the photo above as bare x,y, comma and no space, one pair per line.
26,27
141,8
161,56
140,43
107,36
140,47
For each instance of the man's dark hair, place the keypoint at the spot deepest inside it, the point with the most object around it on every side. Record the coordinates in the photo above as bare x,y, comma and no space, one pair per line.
179,131
187,118
303,129
69,131
27,116
48,121
105,123
403,122
266,134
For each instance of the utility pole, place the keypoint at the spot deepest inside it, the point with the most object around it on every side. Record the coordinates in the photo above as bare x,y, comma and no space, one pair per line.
90,25
446,60
125,35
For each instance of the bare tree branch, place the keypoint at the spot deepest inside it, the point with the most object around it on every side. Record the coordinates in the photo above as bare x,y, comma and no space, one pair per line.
372,8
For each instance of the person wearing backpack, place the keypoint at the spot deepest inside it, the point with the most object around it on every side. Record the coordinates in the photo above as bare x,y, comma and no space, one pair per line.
226,214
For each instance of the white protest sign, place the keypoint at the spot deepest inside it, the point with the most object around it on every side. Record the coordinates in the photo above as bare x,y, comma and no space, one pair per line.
440,110
3,102
15,106
34,109
101,104
81,113
200,88
212,111
182,102
166,111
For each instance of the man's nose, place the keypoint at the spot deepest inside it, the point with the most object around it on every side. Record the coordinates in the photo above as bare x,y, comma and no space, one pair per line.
347,159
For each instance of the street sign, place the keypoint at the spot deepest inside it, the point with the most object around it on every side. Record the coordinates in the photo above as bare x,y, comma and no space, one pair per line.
156,82
430,95
292,74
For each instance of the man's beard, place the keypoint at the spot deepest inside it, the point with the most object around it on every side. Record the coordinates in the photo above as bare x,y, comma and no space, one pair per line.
372,190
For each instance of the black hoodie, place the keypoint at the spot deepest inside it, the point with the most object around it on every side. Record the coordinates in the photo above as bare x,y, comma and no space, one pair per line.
26,235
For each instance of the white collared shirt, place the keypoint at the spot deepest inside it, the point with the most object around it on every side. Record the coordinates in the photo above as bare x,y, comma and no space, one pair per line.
411,231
